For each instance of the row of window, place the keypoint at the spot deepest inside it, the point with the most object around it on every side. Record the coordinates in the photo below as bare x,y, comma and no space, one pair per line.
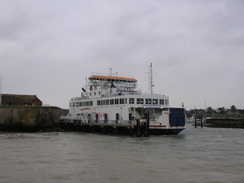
79,104
98,80
112,101
147,101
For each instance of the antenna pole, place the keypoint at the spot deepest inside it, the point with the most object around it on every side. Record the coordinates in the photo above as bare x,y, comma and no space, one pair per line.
150,73
110,71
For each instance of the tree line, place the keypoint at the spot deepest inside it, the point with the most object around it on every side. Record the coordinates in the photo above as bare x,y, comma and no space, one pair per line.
219,112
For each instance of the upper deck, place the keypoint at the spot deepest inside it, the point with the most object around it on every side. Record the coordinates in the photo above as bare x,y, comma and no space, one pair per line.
112,81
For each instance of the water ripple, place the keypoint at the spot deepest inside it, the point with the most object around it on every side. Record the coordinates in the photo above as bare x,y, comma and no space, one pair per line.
196,155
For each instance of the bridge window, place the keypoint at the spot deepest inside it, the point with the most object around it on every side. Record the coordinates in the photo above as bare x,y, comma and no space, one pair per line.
122,101
148,101
166,102
111,101
116,101
155,101
140,101
161,101
131,100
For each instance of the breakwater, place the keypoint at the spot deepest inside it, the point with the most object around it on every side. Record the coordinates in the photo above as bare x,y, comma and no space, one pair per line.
29,118
225,122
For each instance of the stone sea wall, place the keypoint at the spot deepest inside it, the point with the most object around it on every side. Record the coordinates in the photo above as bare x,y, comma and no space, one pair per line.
28,118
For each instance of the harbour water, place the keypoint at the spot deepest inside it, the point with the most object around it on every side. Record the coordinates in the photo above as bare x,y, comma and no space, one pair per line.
194,155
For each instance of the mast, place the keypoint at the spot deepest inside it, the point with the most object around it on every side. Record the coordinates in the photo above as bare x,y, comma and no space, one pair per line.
110,71
150,79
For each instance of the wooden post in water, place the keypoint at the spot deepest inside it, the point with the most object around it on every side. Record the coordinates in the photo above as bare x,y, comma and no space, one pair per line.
92,129
138,130
201,122
116,130
103,129
195,121
146,130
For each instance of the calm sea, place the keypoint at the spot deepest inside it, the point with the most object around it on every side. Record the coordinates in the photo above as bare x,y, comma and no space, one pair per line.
195,155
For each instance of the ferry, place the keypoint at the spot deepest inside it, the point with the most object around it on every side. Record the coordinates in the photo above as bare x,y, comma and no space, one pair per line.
110,99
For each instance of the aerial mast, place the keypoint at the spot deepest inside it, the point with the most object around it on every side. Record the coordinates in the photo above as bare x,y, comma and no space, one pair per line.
110,71
150,79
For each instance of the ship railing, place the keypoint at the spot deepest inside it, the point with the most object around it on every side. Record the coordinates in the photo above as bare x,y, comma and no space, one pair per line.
155,94
116,75
76,98
129,92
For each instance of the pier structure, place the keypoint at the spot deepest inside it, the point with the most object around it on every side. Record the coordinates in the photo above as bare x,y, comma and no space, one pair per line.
225,122
139,129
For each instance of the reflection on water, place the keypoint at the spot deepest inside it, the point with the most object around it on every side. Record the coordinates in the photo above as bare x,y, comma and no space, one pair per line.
195,155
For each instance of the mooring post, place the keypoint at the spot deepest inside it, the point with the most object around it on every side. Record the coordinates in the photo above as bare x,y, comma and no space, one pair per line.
116,130
104,130
146,130
138,131
201,122
195,121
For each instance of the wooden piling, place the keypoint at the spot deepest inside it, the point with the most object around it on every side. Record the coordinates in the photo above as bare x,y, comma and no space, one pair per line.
104,129
201,122
146,126
116,130
138,128
92,129
195,121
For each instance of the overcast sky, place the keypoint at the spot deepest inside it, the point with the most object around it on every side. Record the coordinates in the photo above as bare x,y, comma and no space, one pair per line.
48,47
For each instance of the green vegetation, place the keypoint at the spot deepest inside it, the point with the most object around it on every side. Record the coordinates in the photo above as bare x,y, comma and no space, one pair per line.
219,112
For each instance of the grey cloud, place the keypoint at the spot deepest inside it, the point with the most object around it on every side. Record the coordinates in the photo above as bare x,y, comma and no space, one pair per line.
196,47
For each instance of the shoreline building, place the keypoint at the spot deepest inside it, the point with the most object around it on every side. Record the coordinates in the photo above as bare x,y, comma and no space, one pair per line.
16,99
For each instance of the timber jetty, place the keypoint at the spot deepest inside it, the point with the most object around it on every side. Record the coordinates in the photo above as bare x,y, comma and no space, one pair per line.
139,129
224,122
